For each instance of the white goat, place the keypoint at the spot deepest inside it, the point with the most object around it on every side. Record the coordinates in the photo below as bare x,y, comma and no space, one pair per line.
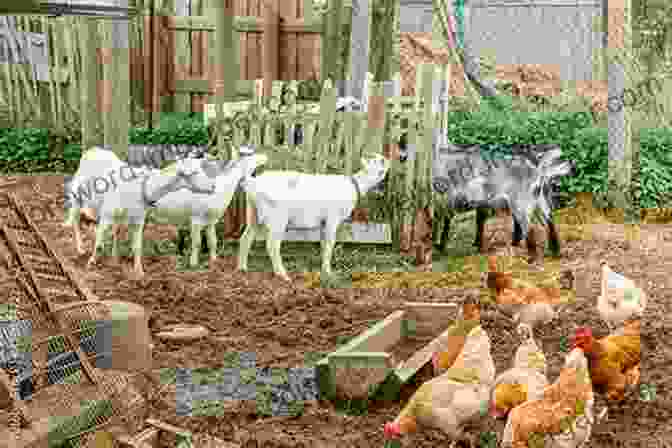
290,199
130,199
96,162
184,207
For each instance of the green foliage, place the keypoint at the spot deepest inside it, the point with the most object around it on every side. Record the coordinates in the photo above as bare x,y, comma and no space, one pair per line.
173,129
581,142
24,144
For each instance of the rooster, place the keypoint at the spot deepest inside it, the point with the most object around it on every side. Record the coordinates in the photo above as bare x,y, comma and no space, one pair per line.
563,417
524,302
526,380
619,299
457,396
613,360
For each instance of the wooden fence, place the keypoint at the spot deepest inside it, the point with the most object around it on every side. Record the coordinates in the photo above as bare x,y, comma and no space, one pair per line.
333,143
272,35
171,57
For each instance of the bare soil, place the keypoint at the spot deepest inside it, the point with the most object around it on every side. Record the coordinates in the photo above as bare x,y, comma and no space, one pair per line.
283,323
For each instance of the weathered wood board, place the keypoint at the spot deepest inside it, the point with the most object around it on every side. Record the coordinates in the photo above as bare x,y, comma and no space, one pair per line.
370,350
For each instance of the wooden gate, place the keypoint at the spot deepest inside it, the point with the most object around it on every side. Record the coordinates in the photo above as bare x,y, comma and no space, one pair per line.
271,38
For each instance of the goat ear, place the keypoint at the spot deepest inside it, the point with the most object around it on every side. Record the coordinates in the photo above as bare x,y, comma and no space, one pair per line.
560,169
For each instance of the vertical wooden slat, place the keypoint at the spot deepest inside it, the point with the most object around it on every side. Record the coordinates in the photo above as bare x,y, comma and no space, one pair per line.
56,30
199,54
271,44
155,69
183,59
307,148
331,41
327,116
117,87
168,57
90,104
244,63
619,41
289,42
70,49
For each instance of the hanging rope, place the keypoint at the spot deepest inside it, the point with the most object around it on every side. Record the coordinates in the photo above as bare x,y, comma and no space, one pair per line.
458,30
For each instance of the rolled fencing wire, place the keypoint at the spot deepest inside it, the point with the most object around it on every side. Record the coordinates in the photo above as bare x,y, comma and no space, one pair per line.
14,355
183,387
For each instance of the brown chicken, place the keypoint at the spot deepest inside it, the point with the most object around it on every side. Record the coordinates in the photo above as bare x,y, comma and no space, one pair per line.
526,303
525,380
563,417
613,360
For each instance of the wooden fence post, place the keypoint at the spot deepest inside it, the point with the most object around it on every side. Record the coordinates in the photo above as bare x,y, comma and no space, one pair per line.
359,48
619,121
90,94
271,44
116,75
226,73
182,60
331,41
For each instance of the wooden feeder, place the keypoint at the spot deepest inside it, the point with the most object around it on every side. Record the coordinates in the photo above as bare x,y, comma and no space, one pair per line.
365,366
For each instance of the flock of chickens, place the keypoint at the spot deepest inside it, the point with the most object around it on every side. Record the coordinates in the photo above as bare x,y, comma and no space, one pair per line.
558,415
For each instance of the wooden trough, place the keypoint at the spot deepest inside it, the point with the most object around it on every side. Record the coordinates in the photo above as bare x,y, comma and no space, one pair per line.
375,363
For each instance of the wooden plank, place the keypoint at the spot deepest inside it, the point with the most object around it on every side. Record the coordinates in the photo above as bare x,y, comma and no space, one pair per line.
242,10
360,360
245,24
289,41
148,438
379,337
167,427
426,318
406,369
359,50
182,62
193,86
91,116
271,44
198,61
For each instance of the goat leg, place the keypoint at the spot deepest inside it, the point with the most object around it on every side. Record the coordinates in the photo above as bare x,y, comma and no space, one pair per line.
245,244
115,242
195,244
212,242
328,249
273,249
137,251
101,230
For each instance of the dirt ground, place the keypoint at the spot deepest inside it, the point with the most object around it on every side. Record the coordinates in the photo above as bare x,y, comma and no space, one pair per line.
283,323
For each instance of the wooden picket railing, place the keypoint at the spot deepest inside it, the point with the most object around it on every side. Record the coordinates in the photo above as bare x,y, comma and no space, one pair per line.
333,142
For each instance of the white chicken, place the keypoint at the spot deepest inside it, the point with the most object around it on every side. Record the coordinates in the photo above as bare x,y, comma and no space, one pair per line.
454,398
526,379
562,418
620,299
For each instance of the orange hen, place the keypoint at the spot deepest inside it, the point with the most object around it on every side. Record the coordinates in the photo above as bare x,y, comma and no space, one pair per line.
613,360
509,292
526,303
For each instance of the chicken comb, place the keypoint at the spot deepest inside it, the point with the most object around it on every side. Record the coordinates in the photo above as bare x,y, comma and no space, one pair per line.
583,332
